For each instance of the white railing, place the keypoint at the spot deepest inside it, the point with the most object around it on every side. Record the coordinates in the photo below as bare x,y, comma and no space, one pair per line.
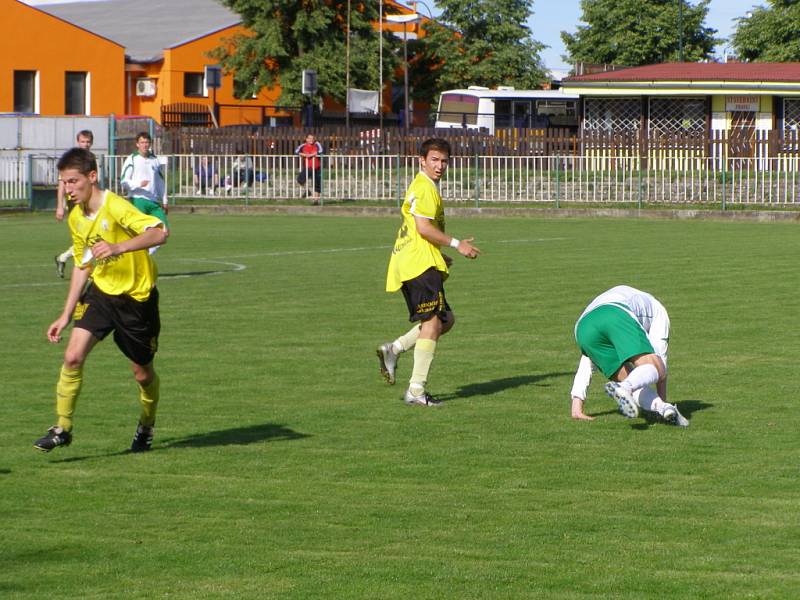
473,180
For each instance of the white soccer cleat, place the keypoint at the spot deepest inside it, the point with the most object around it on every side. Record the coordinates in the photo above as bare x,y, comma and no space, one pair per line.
424,399
625,402
388,361
672,416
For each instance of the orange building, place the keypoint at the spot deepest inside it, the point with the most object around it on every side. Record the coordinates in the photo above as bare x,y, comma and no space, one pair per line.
155,64
49,66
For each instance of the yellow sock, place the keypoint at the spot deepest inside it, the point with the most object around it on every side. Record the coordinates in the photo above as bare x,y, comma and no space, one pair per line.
406,341
423,357
148,396
67,390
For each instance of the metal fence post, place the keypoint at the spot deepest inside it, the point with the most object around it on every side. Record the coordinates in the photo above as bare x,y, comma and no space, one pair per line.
558,182
29,183
477,181
398,190
724,185
639,186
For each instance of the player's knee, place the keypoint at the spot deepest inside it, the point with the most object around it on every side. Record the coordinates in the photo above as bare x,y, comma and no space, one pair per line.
73,359
448,324
143,375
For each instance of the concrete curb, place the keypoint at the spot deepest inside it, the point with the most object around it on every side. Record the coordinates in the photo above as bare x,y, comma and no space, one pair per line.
538,213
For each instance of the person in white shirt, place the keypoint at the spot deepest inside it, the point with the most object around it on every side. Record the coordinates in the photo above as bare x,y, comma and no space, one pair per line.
624,333
142,179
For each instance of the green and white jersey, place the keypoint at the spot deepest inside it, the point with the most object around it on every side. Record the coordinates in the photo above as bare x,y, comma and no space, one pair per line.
643,307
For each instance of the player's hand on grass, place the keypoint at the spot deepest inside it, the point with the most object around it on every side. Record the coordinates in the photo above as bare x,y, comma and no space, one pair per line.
467,249
577,410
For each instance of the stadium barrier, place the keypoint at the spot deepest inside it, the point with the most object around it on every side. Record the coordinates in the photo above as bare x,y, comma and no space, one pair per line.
472,180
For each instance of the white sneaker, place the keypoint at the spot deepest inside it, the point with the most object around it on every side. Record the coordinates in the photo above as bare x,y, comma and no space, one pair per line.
388,359
424,399
625,402
672,416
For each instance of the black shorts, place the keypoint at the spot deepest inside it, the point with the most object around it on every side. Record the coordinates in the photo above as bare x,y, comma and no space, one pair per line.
425,296
136,325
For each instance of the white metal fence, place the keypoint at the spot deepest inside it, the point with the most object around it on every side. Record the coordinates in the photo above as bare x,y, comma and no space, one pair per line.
475,180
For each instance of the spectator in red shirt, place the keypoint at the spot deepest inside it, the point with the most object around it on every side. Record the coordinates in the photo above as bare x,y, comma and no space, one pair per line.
311,170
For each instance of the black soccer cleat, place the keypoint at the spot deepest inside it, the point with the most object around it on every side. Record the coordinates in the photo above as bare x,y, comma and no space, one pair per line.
55,437
142,439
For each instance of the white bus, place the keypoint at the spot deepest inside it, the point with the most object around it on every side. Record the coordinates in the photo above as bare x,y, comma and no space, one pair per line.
481,108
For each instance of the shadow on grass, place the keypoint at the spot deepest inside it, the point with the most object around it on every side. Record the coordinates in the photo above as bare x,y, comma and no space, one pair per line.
5,471
487,388
687,408
238,436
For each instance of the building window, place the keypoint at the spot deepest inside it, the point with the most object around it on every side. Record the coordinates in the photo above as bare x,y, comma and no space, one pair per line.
194,84
671,116
617,115
76,93
26,96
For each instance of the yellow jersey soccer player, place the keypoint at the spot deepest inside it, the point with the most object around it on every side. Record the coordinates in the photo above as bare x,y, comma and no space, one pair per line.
112,289
418,268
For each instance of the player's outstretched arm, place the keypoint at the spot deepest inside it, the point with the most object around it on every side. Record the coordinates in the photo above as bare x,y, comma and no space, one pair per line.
430,232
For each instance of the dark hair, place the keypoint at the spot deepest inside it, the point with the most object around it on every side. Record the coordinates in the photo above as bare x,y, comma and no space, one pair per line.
78,158
434,144
87,133
145,135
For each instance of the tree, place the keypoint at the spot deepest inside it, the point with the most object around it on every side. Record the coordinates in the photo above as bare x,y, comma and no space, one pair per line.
289,36
482,42
640,32
770,34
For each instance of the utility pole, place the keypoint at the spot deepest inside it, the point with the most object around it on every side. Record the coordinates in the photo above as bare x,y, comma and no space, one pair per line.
680,29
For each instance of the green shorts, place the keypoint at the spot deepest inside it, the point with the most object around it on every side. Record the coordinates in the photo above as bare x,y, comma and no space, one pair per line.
609,336
149,207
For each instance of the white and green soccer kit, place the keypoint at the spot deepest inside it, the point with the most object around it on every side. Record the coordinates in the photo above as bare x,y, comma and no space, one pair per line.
619,324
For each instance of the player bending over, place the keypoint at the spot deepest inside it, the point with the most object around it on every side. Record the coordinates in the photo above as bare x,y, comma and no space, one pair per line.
624,332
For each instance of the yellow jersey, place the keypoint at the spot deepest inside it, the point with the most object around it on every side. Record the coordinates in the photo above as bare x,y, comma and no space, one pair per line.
412,254
117,220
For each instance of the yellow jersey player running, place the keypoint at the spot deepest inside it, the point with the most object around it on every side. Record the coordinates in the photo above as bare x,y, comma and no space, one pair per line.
418,268
112,289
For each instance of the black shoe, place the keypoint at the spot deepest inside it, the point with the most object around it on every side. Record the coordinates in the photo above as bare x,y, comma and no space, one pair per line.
142,439
55,437
60,266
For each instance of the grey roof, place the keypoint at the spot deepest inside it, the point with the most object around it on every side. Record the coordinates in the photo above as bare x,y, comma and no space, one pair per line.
146,27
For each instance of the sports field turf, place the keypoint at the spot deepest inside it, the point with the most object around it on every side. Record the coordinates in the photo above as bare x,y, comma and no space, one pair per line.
284,467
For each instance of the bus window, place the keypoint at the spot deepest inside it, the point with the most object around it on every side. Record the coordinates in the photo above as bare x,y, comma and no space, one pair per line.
458,109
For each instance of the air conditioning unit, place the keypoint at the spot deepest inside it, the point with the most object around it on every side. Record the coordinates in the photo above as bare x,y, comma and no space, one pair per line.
145,87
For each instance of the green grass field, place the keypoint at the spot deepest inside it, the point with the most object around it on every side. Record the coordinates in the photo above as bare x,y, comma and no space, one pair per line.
284,467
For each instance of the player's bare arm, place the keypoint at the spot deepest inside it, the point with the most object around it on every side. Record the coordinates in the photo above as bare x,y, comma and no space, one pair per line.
76,284
155,236
430,232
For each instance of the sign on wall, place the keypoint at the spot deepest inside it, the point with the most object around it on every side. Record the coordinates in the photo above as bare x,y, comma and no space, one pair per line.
742,103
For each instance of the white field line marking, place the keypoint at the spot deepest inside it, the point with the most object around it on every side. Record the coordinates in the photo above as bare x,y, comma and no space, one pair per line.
240,267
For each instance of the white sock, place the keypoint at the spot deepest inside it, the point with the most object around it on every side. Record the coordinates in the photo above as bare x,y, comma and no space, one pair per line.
65,256
641,376
649,400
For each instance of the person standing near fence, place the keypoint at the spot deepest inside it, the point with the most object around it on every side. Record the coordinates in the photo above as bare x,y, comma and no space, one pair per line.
143,181
112,289
311,169
64,202
418,268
